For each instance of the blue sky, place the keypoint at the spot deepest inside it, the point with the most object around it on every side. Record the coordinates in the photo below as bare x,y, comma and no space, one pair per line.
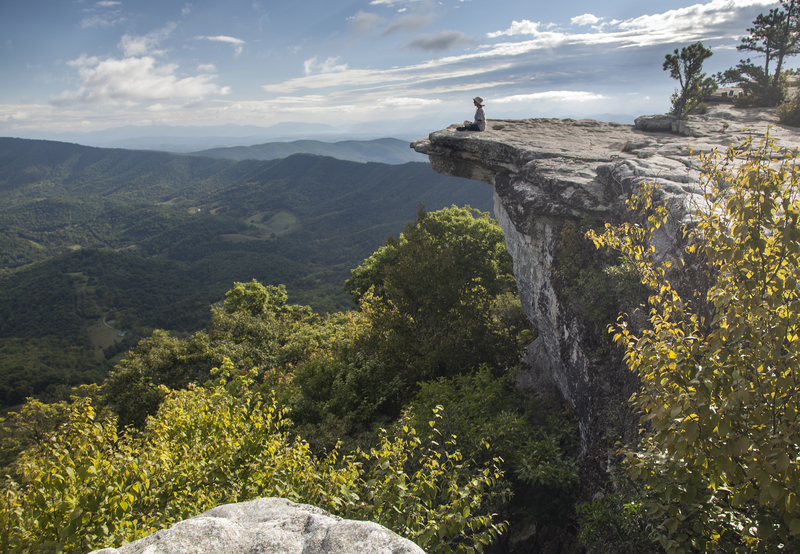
72,65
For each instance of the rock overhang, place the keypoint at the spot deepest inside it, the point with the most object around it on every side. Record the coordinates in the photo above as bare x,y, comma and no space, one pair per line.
547,171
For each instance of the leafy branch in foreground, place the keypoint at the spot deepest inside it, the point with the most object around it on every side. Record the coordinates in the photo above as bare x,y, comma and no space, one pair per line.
721,392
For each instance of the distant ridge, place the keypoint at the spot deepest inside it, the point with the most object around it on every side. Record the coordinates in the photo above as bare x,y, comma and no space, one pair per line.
386,150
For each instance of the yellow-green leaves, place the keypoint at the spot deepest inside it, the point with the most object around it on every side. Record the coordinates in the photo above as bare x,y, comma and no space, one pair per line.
87,487
720,375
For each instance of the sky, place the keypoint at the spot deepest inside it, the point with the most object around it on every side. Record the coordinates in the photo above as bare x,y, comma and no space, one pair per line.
72,65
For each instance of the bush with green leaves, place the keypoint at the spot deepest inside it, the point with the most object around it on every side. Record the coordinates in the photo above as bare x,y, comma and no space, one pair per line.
720,379
438,297
87,486
253,328
788,112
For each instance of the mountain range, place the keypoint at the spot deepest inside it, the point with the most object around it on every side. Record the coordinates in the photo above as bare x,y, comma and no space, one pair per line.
151,240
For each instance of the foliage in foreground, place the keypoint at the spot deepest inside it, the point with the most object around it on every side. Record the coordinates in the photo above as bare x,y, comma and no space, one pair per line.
721,392
88,486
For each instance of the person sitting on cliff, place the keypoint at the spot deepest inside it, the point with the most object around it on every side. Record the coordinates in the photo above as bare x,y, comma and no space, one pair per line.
480,118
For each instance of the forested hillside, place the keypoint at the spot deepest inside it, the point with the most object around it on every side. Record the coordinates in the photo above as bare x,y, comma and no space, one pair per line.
151,240
400,411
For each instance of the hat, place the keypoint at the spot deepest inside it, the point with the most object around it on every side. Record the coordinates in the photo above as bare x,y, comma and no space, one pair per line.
479,100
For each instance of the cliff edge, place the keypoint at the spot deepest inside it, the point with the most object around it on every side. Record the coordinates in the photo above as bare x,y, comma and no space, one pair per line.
554,177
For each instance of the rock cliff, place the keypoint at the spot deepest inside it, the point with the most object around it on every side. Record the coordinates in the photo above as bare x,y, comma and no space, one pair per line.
269,526
553,176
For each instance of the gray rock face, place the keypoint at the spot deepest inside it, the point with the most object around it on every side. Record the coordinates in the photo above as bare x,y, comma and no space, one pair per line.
269,526
546,172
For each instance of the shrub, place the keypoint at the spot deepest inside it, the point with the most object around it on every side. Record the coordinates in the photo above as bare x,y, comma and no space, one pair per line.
721,393
88,486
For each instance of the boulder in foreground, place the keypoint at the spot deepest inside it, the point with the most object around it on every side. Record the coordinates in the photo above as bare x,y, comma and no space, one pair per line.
269,526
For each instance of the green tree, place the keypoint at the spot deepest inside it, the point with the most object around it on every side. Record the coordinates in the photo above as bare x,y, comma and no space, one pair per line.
89,486
439,292
686,67
720,382
775,36
252,328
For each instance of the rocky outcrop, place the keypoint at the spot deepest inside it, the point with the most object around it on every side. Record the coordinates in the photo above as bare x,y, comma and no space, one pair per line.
270,526
547,172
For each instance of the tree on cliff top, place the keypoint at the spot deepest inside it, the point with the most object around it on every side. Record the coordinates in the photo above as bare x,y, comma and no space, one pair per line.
775,36
686,67
720,396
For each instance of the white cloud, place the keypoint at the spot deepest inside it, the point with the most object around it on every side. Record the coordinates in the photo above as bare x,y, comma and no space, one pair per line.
364,22
405,102
236,42
186,9
102,20
132,81
433,70
681,25
551,95
107,4
139,46
17,116
206,68
523,27
307,99
84,61
222,38
409,23
585,19
312,66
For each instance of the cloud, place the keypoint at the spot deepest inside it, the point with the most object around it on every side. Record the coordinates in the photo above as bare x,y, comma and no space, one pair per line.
236,42
585,19
222,38
364,22
699,21
406,102
571,56
523,27
312,66
409,22
441,41
17,116
139,46
550,95
105,17
132,81
102,20
186,9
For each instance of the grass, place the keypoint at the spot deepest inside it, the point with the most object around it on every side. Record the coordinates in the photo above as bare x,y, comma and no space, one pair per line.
101,337
282,223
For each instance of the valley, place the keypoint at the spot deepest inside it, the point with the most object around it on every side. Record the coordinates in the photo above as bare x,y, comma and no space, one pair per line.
159,238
